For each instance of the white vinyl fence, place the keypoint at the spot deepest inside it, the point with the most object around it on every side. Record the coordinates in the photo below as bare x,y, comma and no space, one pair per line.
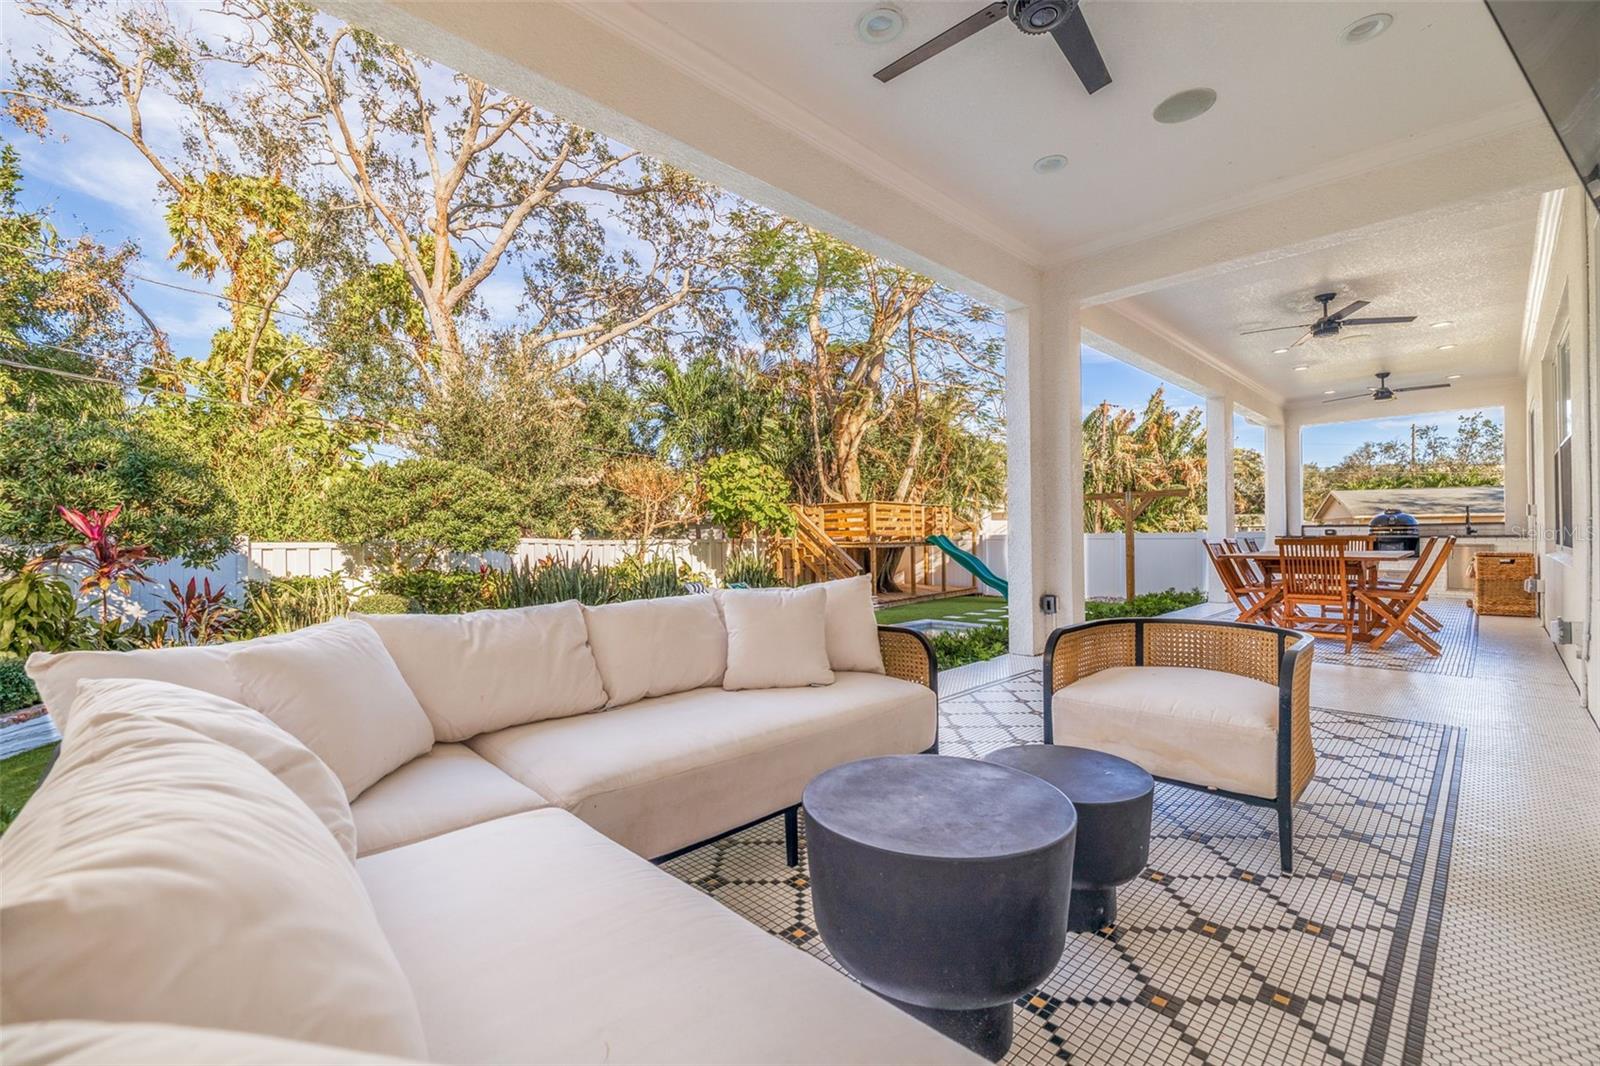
1161,561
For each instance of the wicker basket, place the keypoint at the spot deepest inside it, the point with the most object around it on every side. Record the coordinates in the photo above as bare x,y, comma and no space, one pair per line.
1497,579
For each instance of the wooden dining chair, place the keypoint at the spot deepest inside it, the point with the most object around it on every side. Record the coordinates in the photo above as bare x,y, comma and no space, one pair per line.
1397,608
1255,599
1425,552
1312,572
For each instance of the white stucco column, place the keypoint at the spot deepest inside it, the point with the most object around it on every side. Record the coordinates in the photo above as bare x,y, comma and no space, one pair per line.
1219,480
1518,491
1294,486
1044,456
1276,472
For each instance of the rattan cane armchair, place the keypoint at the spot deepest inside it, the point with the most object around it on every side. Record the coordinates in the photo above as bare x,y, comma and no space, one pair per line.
1278,657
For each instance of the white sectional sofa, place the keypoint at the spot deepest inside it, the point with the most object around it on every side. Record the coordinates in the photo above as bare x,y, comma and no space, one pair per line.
425,837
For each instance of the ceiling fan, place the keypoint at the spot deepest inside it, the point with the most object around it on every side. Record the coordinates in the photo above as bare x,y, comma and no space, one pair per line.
1384,392
1062,19
1329,325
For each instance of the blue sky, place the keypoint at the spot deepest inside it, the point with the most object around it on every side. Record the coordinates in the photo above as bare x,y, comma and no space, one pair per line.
1109,378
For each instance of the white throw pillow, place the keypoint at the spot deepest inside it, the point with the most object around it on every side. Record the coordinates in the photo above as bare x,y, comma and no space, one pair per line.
657,647
852,625
338,691
242,729
487,670
162,876
777,638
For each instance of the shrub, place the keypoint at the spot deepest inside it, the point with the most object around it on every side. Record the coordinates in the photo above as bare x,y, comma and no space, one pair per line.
16,688
442,591
171,503
648,580
198,614
421,510
556,580
742,492
749,568
39,612
288,603
969,645
1145,605
381,603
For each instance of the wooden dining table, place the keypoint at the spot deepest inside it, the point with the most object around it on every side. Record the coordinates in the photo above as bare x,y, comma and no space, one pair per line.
1362,565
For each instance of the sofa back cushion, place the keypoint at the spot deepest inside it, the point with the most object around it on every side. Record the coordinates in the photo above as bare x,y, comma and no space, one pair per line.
336,688
161,876
657,647
246,731
486,670
777,638
852,625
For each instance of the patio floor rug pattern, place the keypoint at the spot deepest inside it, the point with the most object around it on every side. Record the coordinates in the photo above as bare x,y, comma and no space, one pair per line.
1218,957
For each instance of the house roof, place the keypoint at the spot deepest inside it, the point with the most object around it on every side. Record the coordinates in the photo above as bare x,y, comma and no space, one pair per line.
1364,503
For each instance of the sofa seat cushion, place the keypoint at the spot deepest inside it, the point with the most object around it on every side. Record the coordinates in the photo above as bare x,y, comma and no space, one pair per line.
75,1043
667,772
448,788
533,939
1203,727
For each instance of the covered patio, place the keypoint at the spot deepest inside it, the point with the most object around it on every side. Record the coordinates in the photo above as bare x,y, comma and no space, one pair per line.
1444,913
1437,902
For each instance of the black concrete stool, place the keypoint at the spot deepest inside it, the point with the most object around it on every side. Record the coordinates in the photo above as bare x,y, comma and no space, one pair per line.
942,885
1113,798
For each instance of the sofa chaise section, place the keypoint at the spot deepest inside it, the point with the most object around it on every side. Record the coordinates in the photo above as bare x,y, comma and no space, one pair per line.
449,788
579,952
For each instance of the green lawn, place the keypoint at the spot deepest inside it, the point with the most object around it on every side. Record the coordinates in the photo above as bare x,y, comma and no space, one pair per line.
19,776
960,608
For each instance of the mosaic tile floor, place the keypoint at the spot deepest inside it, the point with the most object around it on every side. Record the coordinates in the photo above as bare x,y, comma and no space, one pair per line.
1495,922
1458,640
1217,957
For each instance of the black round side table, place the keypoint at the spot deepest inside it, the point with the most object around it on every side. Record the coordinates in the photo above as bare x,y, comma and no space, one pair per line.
942,885
1113,798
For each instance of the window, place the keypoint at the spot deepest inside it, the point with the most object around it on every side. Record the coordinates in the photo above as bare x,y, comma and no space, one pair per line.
1562,493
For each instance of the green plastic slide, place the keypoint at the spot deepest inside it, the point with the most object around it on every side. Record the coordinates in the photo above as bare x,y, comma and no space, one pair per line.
970,562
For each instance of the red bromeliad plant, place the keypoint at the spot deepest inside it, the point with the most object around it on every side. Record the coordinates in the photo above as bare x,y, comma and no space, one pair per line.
110,563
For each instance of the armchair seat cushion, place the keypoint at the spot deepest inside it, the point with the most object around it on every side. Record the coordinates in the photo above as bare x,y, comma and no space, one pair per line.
1202,727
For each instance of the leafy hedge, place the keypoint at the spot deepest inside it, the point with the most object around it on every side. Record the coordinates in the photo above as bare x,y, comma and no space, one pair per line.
16,689
975,645
1146,605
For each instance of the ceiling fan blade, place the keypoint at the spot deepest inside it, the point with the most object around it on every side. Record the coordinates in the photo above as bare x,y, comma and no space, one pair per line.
1307,335
1378,321
1341,399
1419,388
1275,329
1348,309
954,35
1077,44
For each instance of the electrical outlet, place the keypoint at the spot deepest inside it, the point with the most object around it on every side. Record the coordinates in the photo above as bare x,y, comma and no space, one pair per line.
1047,603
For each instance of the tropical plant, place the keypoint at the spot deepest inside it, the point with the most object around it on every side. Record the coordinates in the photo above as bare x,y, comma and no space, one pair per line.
752,570
109,563
197,613
742,493
381,603
648,579
442,591
38,612
558,580
285,604
1156,448
419,511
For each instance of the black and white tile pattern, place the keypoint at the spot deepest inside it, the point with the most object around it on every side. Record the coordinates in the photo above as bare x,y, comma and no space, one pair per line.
1219,957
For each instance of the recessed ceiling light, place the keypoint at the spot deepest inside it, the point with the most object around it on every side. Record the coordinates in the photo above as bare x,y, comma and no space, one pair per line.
1453,377
1279,351
1049,164
1302,368
1365,29
1329,392
1445,347
880,25
1181,107
1442,325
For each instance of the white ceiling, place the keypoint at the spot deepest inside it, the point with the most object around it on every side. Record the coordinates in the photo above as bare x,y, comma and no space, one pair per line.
1469,268
1296,106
